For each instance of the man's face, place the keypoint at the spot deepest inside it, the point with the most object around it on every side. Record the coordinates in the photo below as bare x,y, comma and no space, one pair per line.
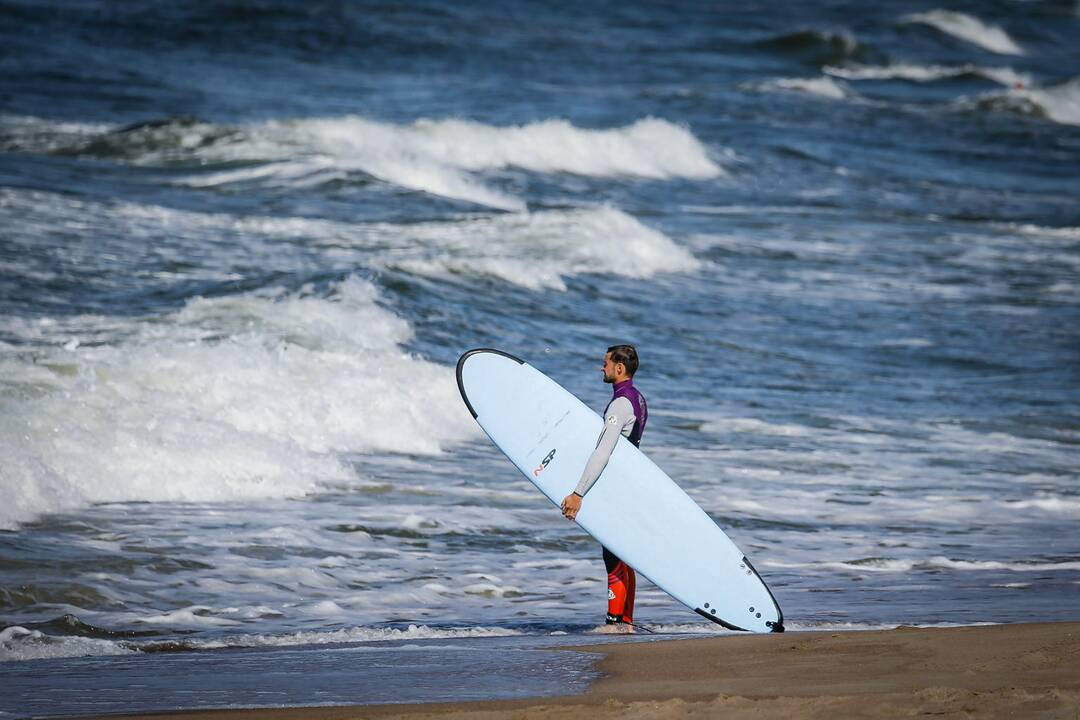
609,369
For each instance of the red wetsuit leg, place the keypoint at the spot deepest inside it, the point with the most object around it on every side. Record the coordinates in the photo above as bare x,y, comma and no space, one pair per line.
622,583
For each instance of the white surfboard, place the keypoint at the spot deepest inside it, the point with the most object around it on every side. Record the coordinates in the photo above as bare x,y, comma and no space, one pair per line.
634,509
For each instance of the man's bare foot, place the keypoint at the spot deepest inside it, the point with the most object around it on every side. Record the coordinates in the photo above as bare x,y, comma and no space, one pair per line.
615,629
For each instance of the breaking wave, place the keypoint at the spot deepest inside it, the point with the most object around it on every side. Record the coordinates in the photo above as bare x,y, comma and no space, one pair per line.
535,250
824,87
1057,103
247,396
21,643
442,157
969,29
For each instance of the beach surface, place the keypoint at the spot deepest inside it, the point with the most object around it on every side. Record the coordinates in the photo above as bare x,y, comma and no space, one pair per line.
1024,670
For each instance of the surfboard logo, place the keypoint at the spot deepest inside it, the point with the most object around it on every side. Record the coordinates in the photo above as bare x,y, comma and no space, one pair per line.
544,463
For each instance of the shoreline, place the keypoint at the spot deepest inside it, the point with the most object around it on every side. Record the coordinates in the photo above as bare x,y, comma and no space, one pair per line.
1022,670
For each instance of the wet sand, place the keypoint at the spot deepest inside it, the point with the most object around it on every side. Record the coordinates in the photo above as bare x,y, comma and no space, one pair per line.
1016,671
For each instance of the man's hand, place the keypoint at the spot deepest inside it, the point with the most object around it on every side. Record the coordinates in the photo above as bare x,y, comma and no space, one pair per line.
571,504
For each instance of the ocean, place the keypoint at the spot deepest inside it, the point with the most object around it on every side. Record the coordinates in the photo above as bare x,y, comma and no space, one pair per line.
243,243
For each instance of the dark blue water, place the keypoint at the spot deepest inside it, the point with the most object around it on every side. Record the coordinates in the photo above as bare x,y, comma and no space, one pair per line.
242,245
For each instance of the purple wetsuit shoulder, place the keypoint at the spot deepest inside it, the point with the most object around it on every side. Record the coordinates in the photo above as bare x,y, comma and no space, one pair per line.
627,390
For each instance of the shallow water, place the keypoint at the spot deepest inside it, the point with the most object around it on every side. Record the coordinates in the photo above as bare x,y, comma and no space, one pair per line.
397,672
242,248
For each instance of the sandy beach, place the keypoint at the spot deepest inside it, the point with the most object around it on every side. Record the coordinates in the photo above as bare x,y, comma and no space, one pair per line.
1016,671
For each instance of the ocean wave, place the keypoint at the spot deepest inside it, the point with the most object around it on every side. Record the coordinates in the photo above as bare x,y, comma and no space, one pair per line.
1054,233
900,565
20,133
928,73
824,87
818,47
1052,505
358,634
1057,103
540,250
969,29
726,425
20,643
440,157
535,250
944,562
254,395
231,398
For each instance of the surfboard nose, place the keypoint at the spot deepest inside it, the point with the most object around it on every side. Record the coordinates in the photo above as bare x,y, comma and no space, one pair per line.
477,353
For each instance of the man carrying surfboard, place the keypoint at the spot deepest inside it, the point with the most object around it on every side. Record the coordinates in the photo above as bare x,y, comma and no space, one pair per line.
626,415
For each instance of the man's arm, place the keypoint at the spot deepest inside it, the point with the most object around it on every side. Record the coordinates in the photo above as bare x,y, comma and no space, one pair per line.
620,414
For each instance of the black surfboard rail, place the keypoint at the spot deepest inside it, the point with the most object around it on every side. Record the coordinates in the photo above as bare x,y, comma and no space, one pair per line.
461,363
776,626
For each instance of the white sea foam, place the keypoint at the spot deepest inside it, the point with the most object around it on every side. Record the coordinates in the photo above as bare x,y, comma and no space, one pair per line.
443,157
944,562
907,342
793,626
354,635
531,249
23,132
187,617
540,250
754,426
824,87
1060,103
245,396
19,643
969,29
903,565
1066,233
1057,103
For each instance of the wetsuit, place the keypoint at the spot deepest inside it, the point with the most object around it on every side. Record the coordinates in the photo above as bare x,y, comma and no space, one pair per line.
625,415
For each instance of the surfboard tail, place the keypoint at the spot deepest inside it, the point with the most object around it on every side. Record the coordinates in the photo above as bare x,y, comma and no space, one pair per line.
776,625
753,618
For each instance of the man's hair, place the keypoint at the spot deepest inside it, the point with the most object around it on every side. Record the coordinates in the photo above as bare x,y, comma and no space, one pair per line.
627,355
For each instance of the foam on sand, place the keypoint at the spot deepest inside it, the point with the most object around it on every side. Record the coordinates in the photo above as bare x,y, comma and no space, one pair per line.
969,29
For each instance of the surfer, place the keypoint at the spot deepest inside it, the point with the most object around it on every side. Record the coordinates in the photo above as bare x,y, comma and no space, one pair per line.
626,414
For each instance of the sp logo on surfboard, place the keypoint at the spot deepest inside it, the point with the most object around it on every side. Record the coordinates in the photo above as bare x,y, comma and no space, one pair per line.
544,463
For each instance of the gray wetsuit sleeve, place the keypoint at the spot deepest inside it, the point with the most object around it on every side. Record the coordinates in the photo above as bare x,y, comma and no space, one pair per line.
619,420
